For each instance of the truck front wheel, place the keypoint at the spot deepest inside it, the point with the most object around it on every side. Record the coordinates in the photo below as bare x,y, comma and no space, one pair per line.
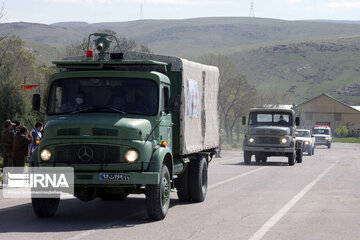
158,196
247,157
291,159
45,207
299,155
198,179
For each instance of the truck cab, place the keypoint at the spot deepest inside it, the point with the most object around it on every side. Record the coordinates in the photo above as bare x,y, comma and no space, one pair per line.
115,118
271,132
323,135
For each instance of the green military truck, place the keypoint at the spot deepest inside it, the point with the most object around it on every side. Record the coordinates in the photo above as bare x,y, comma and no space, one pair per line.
130,123
271,132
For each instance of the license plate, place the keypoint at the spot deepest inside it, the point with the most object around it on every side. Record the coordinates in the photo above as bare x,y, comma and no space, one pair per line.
114,177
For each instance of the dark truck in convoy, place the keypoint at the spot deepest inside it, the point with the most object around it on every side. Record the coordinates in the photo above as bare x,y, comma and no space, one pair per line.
271,132
130,123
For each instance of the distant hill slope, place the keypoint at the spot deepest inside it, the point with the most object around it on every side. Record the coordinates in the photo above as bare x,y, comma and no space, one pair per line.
306,69
187,37
306,58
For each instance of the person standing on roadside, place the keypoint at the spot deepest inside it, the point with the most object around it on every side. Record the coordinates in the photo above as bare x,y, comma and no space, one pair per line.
17,126
21,149
36,135
7,137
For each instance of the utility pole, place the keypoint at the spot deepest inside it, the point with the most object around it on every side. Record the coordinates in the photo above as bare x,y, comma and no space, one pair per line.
141,12
252,12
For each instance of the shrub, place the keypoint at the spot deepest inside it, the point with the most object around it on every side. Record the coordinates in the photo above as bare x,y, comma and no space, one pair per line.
342,131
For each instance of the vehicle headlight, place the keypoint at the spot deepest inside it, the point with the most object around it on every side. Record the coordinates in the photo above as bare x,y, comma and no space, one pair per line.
251,140
45,155
283,140
131,156
327,138
306,142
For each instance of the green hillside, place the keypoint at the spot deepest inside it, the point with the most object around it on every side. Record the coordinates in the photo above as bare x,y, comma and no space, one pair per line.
305,69
304,58
189,37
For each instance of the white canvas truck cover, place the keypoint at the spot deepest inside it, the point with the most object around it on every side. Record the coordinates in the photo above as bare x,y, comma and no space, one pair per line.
199,112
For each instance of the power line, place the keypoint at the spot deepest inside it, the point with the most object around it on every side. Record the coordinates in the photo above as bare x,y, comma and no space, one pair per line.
252,12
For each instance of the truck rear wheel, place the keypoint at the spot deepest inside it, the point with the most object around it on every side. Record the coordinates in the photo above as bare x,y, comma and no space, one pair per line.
291,159
45,207
158,196
182,186
198,179
247,157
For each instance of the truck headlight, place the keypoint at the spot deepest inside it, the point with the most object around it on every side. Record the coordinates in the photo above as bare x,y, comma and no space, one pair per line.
283,140
131,156
251,140
45,155
306,142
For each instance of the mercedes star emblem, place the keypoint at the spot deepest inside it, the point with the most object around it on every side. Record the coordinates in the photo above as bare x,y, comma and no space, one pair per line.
85,153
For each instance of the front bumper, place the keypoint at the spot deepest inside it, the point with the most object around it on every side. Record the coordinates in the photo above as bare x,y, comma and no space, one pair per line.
126,178
307,148
322,142
269,149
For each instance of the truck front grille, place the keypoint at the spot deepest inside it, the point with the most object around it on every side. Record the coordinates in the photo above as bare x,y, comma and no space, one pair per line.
268,140
317,139
87,154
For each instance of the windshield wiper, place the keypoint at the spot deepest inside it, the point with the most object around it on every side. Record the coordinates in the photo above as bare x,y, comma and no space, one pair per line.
82,110
114,109
96,108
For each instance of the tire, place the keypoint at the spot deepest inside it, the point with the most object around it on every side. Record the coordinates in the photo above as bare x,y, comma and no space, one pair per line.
247,157
45,207
309,152
313,151
329,145
264,159
291,159
198,179
182,186
299,156
158,196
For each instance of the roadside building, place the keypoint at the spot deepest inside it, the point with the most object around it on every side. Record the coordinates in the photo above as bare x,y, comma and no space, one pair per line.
326,110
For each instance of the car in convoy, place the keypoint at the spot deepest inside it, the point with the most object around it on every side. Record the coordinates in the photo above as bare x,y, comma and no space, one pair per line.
271,132
323,135
308,140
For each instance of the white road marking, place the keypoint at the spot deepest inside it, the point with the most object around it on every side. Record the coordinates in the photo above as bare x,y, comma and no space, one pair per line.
277,216
236,177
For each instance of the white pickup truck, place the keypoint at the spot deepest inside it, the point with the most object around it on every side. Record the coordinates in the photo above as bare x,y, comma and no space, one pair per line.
308,140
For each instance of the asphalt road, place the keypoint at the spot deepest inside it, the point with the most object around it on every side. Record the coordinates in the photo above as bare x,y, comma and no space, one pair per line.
317,199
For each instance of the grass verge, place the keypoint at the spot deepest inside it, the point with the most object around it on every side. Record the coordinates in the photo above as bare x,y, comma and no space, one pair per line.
347,140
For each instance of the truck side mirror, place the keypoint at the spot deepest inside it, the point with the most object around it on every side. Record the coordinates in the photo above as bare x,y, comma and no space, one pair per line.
36,102
174,105
243,120
297,121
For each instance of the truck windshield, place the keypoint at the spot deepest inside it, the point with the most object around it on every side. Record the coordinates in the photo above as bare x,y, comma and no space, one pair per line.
303,134
270,119
123,95
321,131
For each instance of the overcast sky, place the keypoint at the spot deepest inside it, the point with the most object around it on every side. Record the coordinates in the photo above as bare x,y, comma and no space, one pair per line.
92,11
